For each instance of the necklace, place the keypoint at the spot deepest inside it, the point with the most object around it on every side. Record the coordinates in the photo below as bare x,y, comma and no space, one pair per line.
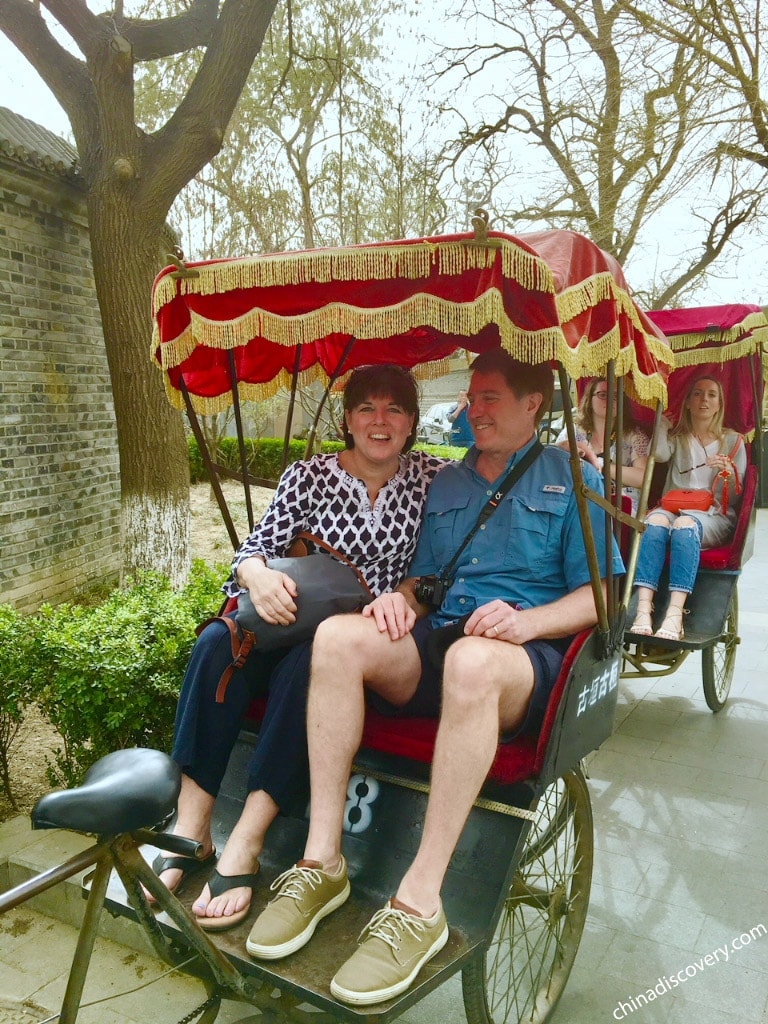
703,445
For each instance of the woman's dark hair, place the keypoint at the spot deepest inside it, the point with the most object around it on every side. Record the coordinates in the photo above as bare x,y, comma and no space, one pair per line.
385,381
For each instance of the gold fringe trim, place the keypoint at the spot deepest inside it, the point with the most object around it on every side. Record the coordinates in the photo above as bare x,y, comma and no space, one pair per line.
467,319
716,353
755,324
415,261
586,295
444,315
209,406
423,372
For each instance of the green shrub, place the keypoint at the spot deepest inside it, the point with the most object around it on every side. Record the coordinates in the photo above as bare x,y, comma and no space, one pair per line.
109,676
264,455
197,471
442,451
18,656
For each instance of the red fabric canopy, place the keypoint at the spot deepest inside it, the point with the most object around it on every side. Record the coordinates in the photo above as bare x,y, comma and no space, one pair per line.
724,342
553,295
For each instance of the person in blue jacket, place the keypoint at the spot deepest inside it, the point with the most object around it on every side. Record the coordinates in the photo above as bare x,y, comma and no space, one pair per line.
458,415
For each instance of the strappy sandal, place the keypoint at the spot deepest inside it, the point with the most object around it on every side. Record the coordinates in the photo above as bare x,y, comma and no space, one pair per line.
643,624
217,886
187,865
676,632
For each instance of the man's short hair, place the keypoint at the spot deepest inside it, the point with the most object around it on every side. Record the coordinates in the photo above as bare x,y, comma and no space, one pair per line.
522,378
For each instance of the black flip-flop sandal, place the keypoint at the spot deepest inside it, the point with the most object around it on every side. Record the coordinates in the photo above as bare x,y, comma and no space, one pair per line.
218,885
188,865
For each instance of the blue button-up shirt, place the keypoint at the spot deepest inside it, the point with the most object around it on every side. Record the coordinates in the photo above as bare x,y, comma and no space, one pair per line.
530,552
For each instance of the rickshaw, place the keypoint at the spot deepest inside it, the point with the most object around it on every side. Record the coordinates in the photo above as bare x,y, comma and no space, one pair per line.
517,891
725,342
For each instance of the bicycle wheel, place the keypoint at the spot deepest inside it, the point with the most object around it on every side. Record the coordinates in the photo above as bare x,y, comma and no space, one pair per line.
719,660
523,973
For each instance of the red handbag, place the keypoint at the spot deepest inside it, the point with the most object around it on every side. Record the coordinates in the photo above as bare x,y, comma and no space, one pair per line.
701,500
690,500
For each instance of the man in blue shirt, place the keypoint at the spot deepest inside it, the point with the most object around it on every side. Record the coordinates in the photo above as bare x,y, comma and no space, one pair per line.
461,431
484,662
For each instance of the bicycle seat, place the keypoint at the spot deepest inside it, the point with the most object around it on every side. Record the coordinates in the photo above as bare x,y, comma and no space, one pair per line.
123,791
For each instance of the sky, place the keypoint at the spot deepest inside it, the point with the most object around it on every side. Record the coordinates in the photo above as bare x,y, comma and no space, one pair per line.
24,92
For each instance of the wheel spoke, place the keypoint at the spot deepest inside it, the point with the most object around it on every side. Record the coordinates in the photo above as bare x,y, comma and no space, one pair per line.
719,660
531,955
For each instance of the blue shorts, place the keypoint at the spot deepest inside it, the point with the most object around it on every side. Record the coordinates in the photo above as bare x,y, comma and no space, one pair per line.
546,657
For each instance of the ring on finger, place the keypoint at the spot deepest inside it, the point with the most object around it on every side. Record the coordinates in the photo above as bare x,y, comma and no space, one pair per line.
495,630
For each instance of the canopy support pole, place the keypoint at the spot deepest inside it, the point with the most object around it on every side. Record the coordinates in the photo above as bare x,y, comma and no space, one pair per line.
209,465
611,491
589,538
240,437
757,445
321,405
642,508
291,406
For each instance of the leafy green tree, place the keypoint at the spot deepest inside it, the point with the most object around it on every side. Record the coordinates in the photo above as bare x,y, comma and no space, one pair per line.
132,176
615,119
319,153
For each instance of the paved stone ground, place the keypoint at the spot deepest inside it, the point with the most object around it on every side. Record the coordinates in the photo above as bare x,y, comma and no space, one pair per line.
680,798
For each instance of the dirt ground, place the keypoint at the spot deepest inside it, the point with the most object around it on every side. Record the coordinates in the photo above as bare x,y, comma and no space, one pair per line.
210,541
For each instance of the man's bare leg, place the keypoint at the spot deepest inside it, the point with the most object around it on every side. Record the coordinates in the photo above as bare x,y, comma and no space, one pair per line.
347,651
487,687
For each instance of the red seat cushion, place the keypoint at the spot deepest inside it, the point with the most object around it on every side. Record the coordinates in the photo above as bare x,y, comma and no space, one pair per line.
728,556
415,738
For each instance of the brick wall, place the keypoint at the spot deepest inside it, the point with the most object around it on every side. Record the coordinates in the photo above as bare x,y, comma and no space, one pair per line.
59,472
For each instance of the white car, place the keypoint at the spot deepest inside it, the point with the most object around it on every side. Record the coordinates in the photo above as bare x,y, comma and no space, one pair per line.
434,425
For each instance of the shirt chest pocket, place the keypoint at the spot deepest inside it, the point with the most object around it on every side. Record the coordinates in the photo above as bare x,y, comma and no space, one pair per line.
448,524
532,533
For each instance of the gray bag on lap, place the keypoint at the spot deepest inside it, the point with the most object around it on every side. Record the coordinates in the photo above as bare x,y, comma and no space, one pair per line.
326,587
328,584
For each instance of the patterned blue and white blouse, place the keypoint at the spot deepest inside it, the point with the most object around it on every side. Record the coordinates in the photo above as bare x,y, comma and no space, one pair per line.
320,496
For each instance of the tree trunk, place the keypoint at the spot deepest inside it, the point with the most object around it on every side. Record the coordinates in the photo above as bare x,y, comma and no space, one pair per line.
154,466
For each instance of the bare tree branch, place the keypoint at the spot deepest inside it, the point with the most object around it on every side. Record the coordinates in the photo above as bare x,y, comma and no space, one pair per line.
81,23
195,132
615,111
155,38
65,75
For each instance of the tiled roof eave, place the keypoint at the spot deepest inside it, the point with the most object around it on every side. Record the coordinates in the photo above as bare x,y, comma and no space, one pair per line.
27,143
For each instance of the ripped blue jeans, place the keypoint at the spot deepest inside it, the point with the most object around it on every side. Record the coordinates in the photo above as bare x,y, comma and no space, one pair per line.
684,546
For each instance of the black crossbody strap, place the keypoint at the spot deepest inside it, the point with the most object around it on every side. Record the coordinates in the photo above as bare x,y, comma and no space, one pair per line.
498,496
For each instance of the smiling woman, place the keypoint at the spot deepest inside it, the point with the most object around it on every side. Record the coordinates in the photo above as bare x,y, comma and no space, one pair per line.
366,502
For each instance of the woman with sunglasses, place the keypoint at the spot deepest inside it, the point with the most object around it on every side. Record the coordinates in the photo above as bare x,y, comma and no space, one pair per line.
704,456
590,440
